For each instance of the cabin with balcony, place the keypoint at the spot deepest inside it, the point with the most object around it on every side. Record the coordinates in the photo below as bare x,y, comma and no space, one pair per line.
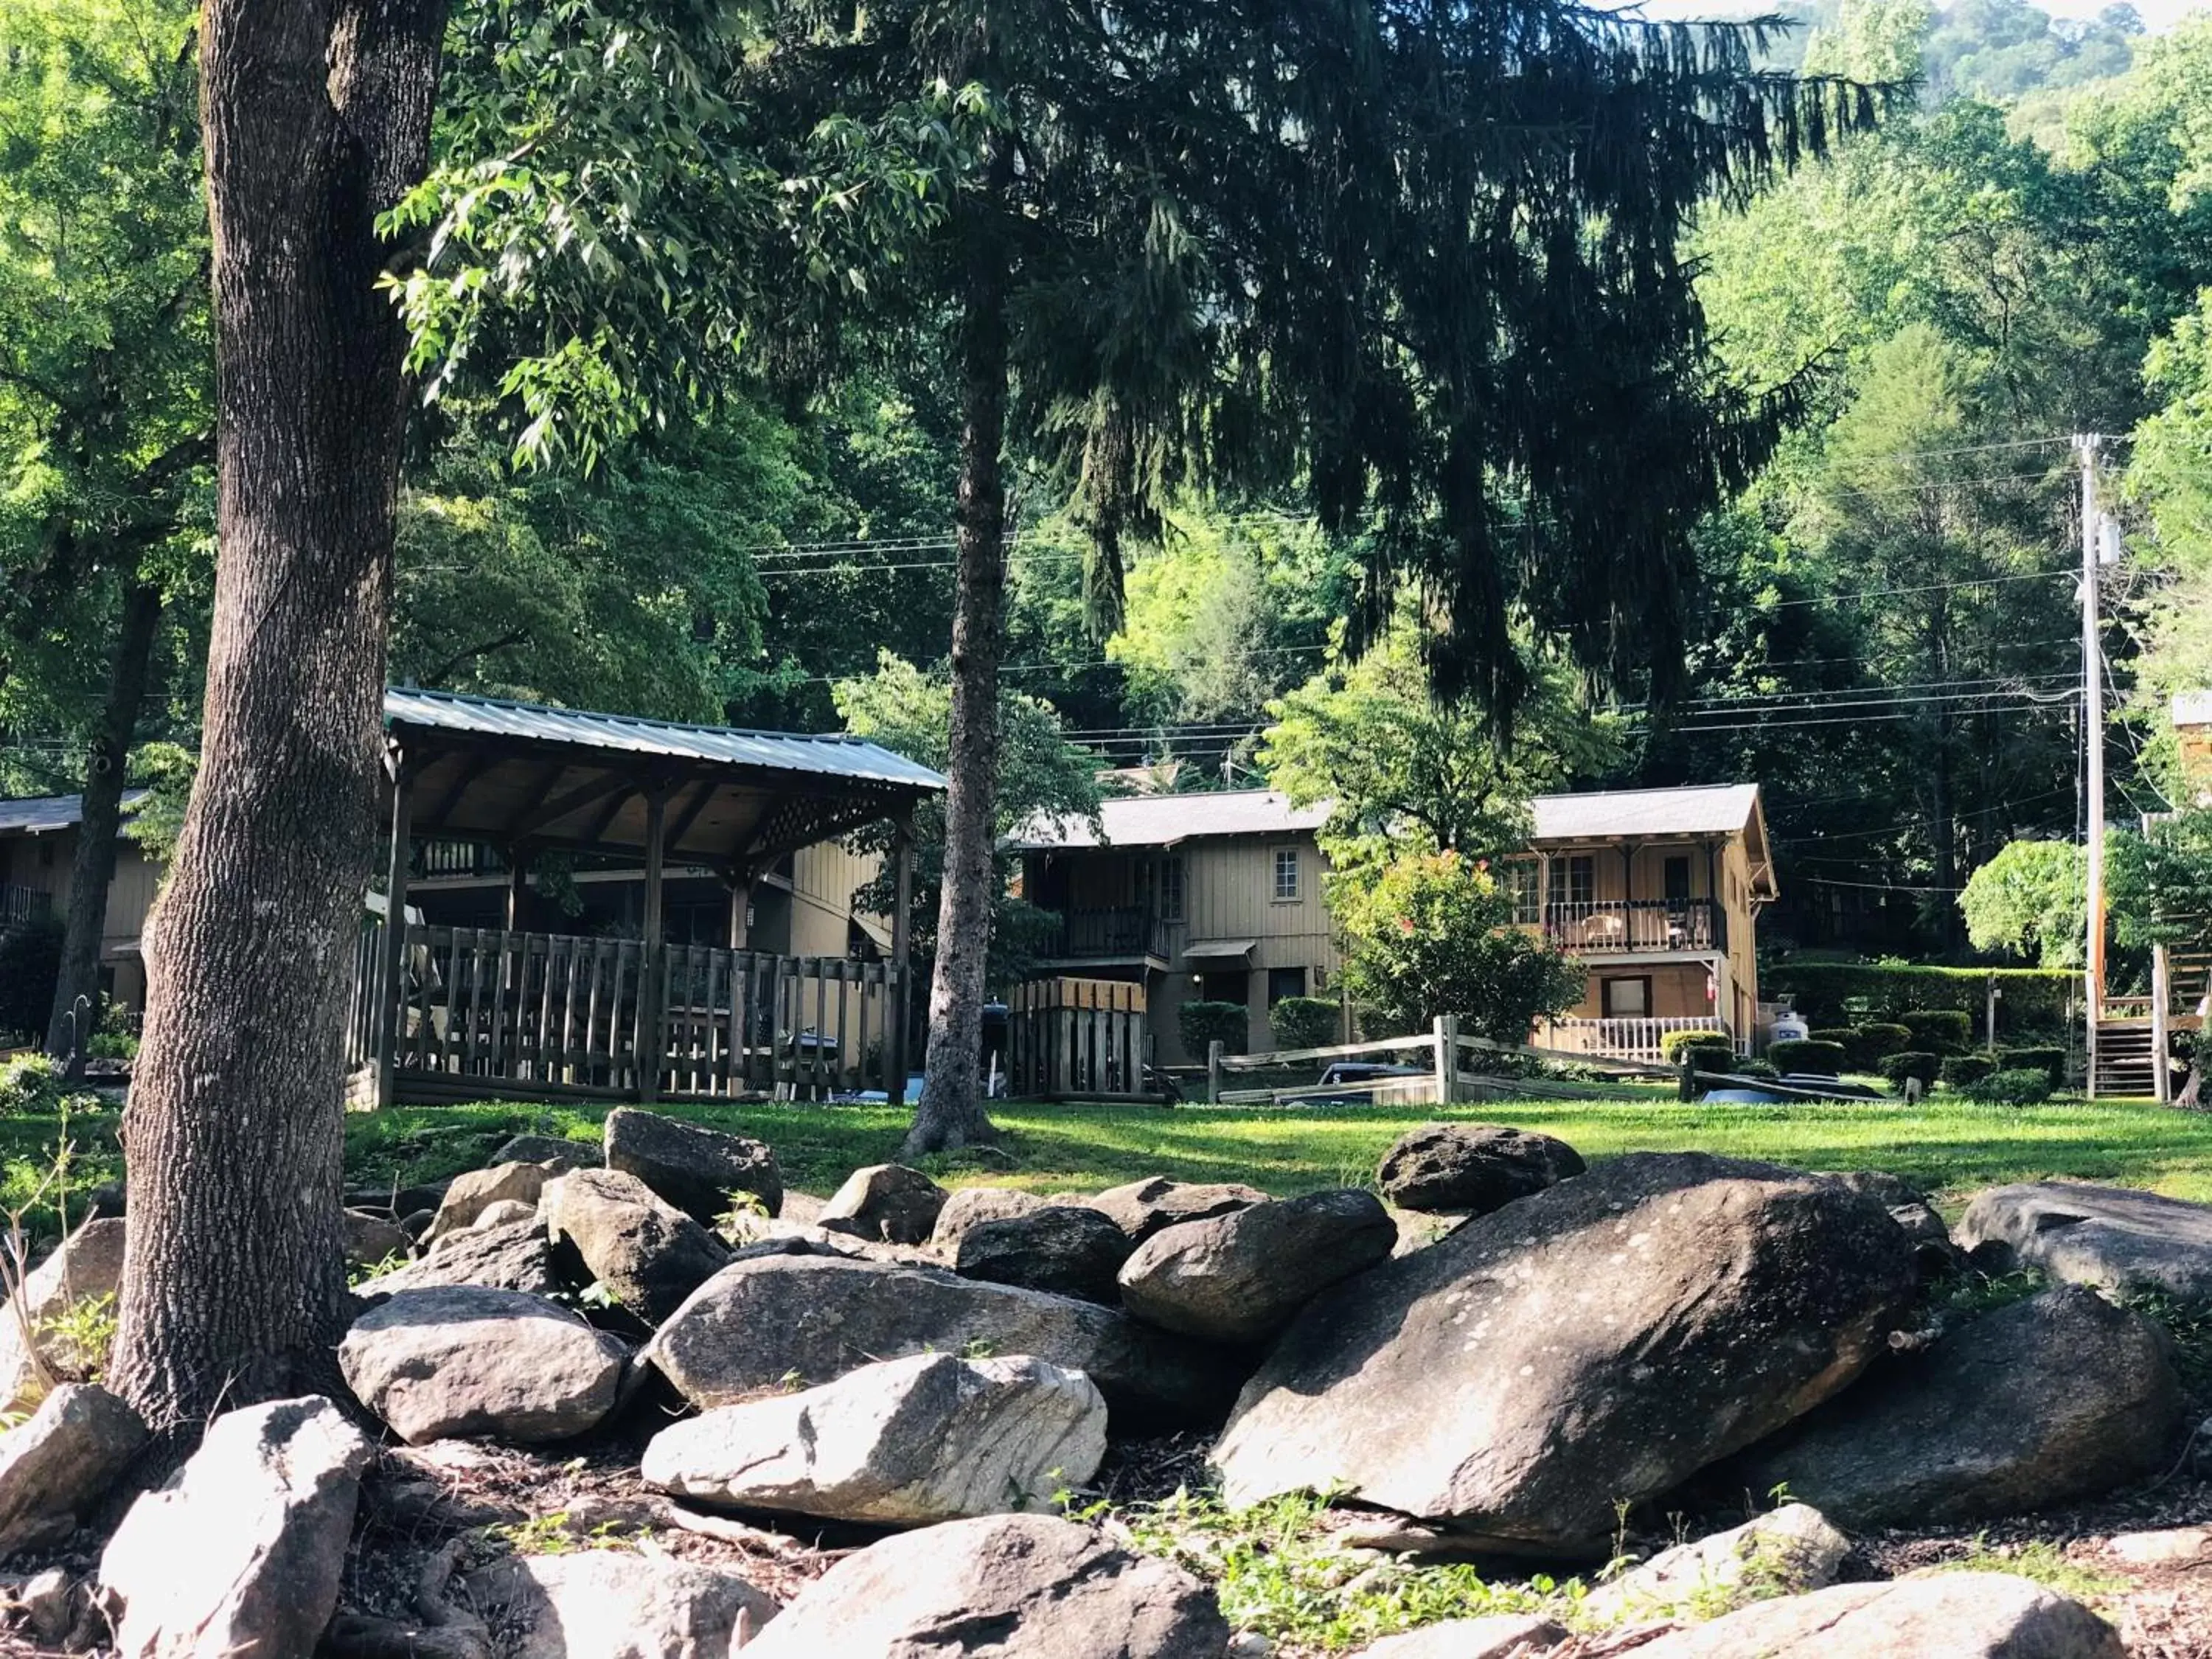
38,850
1218,896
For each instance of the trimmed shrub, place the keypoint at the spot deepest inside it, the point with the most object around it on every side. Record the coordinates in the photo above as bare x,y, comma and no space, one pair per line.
1942,1030
2052,1062
1880,1039
2022,1085
1708,1056
1807,1054
1674,1042
30,967
1831,992
1912,1064
1303,1022
1757,1068
1960,1070
1845,1037
1203,1022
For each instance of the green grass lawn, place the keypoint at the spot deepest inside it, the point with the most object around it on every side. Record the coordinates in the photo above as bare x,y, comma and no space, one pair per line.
1950,1147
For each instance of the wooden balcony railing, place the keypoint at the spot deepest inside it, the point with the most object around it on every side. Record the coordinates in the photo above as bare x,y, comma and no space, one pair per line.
1636,925
21,906
1107,934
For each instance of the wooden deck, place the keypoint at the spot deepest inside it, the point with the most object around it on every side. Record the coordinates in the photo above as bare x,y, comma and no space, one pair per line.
485,1014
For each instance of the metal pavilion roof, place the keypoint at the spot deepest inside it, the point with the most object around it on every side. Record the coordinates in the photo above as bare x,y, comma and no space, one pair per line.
832,755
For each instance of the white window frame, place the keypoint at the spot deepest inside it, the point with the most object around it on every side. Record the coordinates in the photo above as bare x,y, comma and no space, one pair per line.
1170,888
1290,855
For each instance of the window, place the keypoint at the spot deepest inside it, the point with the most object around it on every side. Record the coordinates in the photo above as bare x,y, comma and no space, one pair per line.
1626,998
1520,884
1286,874
1284,982
1171,889
1678,878
1574,880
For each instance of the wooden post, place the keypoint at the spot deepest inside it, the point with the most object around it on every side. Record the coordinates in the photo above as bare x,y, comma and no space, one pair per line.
1213,1068
740,892
901,1004
517,884
652,1037
391,991
1990,1016
1447,1043
2161,992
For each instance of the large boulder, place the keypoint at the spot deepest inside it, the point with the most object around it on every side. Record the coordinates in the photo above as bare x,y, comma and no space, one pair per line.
240,1554
1061,1247
1472,1168
616,1604
371,1239
887,1202
460,1359
84,1268
556,1152
470,1195
703,1172
1951,1615
1240,1276
1595,1344
1012,1587
1785,1552
515,1257
759,1324
55,1467
648,1254
2114,1237
1498,1636
1141,1208
904,1443
2059,1397
971,1207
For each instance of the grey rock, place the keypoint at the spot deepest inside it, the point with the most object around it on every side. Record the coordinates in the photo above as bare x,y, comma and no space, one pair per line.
617,1604
515,1257
83,1267
813,1318
1007,1587
459,1360
240,1555
1240,1276
370,1239
470,1195
904,1443
2115,1238
1501,1636
1060,1248
971,1206
698,1170
49,1601
2061,1397
1786,1551
1141,1208
1596,1343
1472,1168
556,1151
648,1254
885,1202
57,1466
1951,1615
505,1213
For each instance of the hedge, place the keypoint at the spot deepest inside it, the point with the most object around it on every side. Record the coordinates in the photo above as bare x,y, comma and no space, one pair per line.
1674,1042
1912,1064
1717,1055
1958,1070
1836,993
1945,1031
1880,1039
1804,1054
1304,1022
2051,1061
1846,1038
2025,1085
1204,1023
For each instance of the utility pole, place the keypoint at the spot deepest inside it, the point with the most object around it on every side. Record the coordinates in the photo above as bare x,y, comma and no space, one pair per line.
2093,738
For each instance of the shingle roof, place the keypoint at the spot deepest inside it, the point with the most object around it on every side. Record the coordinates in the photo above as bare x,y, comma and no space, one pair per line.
1718,809
831,754
1163,820
38,814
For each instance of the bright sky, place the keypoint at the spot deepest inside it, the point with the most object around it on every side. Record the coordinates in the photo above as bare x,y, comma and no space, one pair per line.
2158,15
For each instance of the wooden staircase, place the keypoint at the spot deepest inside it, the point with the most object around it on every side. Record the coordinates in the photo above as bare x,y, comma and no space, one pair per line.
2125,1058
2127,1035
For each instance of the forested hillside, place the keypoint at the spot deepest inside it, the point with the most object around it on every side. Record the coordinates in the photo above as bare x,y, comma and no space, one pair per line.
1882,628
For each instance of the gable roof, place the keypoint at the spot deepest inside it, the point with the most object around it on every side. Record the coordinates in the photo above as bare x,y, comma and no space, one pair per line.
1164,820
1716,809
40,815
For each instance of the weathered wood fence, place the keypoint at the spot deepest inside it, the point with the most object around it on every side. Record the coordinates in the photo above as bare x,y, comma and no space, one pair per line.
1076,1038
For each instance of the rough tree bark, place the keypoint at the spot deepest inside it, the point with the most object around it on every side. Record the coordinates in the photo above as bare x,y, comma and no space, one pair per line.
315,114
951,1112
93,867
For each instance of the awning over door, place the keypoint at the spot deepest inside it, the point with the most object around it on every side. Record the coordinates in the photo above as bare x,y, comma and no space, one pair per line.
1220,949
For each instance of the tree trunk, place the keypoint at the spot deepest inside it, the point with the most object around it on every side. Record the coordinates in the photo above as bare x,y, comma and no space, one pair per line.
951,1112
93,868
315,115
